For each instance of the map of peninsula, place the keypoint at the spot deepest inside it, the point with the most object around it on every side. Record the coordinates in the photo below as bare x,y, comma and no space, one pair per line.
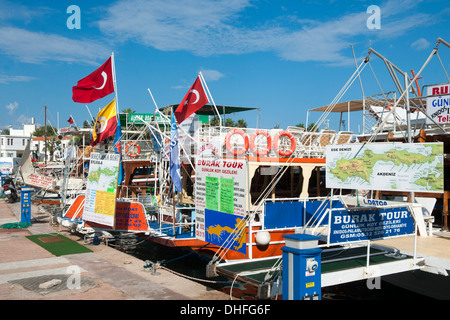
386,166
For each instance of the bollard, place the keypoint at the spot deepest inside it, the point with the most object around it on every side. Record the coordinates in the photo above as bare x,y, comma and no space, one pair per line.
25,205
302,268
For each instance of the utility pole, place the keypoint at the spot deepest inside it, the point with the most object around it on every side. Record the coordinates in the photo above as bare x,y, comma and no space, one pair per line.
45,136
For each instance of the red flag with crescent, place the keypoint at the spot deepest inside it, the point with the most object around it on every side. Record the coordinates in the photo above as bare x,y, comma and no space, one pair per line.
95,86
193,101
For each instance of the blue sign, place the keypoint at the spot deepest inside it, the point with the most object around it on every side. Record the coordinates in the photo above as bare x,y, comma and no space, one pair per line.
370,224
221,228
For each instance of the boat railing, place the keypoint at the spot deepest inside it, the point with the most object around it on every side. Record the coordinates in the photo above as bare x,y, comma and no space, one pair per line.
256,142
313,216
166,221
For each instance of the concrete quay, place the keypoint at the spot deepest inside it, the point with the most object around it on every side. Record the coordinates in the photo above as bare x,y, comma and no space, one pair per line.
104,274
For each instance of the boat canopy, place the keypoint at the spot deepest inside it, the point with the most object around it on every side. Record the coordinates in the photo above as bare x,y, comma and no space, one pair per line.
208,109
357,105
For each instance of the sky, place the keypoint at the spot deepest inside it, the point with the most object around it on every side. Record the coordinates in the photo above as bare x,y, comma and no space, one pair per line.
281,56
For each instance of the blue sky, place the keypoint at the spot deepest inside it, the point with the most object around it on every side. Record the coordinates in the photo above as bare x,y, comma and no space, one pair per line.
283,56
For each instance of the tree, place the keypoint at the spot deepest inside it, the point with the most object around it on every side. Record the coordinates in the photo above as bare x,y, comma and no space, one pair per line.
312,127
241,124
128,110
228,123
40,132
86,124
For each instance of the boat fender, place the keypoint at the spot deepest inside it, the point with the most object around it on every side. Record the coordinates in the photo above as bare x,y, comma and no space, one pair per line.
230,148
266,150
132,149
262,238
276,146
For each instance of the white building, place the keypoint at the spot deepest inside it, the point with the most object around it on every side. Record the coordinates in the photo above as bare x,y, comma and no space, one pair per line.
38,147
14,144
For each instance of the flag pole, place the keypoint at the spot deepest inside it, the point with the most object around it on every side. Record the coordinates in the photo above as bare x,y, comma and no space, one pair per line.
113,63
93,120
115,84
74,121
212,100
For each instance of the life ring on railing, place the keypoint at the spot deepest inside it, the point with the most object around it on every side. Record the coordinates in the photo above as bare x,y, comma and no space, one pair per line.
284,153
266,150
231,149
135,149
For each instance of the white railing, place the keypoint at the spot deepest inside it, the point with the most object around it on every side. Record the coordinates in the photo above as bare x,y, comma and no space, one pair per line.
250,142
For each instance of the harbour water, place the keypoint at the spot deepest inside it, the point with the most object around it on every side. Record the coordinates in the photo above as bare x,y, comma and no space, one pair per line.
193,266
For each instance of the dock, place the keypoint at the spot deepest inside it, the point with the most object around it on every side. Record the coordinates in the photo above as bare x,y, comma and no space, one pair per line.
30,272
391,259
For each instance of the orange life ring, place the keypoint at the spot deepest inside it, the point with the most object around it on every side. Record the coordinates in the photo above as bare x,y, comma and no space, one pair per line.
135,149
257,151
231,149
284,153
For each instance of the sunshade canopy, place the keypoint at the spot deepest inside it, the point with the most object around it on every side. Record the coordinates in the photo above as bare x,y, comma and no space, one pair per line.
208,109
357,105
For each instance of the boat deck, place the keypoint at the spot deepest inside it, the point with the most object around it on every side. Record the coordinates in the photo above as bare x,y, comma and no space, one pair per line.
434,249
335,260
347,264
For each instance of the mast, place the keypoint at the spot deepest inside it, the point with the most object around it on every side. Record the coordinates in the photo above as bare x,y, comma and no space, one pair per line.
45,135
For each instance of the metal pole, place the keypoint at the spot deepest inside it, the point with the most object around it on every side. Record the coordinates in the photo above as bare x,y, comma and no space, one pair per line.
45,135
212,100
406,89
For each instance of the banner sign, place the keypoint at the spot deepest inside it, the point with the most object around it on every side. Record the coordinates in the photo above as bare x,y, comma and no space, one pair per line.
101,188
370,224
220,186
220,225
438,103
147,117
130,216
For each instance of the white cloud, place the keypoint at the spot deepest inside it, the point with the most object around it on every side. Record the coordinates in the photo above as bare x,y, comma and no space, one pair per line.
206,28
17,12
212,75
12,106
420,44
22,119
37,47
7,79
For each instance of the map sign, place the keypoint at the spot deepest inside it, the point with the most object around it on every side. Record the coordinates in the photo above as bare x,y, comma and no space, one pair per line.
411,167
220,186
101,188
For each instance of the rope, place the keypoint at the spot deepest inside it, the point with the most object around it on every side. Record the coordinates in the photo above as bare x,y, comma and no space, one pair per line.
341,93
191,278
17,225
230,239
443,66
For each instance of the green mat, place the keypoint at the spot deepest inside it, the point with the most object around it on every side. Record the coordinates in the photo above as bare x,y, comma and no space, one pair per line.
58,244
15,225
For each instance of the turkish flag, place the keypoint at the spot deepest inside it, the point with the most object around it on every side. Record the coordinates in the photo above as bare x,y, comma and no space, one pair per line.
193,101
95,86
